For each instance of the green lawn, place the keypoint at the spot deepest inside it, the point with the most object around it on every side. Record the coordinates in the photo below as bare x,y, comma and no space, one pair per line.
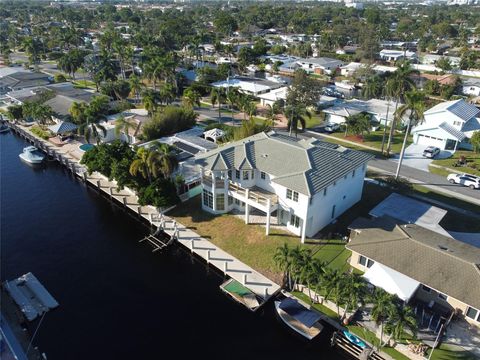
374,139
315,120
323,309
351,146
447,352
334,254
473,159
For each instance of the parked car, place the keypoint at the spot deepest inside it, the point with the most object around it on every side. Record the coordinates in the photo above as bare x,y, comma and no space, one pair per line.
331,127
431,152
472,181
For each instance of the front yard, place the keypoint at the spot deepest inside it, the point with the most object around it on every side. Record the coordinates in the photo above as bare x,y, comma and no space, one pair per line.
472,158
374,139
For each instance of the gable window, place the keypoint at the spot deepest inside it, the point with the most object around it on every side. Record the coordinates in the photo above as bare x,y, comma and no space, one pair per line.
370,263
472,313
295,196
289,194
237,174
245,175
362,260
442,296
262,175
295,221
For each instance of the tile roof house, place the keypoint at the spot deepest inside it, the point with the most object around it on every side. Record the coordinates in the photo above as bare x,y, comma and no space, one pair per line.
447,271
448,125
22,80
306,183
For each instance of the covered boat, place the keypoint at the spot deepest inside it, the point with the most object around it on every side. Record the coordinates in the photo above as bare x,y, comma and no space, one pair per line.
304,321
240,294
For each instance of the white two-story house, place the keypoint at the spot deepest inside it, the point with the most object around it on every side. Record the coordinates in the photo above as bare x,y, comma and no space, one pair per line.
448,125
304,184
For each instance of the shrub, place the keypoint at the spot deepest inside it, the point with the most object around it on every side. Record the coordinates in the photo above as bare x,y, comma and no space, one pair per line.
169,121
59,78
160,193
37,130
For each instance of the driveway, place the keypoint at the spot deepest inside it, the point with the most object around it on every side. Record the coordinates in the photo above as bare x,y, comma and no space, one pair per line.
414,157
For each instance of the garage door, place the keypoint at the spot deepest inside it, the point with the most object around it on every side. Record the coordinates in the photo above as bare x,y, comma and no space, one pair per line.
430,141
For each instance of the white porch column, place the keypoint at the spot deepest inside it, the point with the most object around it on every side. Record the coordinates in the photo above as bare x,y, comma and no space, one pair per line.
247,208
214,200
225,182
304,229
267,231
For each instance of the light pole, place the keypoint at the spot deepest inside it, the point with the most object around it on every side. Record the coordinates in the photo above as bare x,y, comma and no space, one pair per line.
403,148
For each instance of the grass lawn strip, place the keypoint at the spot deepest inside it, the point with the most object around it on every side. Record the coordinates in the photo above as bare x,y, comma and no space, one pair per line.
447,352
471,157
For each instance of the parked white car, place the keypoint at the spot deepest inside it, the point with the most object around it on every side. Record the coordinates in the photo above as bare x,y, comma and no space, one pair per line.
472,181
431,152
331,127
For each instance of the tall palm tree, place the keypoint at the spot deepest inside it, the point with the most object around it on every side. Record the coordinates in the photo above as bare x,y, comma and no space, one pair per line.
296,115
142,164
166,159
91,129
191,97
166,94
149,99
415,107
401,318
382,307
398,84
355,290
282,260
124,125
372,87
217,95
136,86
272,112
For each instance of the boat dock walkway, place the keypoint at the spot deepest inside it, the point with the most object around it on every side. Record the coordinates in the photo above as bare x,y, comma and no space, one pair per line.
212,254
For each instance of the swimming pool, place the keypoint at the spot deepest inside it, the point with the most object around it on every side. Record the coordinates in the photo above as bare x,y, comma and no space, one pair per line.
86,147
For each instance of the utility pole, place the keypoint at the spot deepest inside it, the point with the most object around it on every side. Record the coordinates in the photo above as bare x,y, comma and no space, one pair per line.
403,148
436,342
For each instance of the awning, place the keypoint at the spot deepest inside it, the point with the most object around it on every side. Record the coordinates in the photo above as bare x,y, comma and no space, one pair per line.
62,127
293,308
391,281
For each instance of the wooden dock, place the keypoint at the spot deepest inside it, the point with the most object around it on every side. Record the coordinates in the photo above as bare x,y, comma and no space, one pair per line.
340,340
263,287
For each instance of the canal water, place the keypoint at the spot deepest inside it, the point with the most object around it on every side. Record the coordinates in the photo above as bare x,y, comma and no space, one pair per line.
118,300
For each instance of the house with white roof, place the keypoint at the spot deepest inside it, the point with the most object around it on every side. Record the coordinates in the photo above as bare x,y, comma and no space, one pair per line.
448,125
248,85
270,97
351,68
303,184
471,86
322,65
395,55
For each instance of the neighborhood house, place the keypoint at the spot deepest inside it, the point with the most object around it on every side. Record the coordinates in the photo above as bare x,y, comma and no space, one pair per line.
304,184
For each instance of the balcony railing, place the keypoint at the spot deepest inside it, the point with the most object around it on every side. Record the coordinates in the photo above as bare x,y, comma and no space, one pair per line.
255,194
219,183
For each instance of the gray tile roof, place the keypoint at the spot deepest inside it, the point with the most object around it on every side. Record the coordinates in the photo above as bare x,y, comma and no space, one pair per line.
442,263
457,134
305,166
22,80
459,108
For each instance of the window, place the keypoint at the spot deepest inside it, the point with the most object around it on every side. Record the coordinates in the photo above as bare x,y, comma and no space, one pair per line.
245,175
426,289
325,192
333,211
295,221
443,296
207,199
237,202
471,313
295,196
353,173
253,174
370,263
230,200
362,260
262,175
237,174
220,203
289,194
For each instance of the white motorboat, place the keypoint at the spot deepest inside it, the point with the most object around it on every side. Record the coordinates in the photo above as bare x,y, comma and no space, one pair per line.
344,85
300,319
32,155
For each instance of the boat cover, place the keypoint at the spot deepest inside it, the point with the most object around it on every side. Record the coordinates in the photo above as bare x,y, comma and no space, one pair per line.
293,308
237,288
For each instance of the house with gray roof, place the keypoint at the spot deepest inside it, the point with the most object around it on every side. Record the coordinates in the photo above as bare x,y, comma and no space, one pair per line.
321,65
304,184
418,264
448,125
22,80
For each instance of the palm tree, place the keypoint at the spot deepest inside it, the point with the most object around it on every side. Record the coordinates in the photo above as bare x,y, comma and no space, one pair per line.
382,304
124,125
15,112
372,87
272,112
399,83
136,86
400,318
149,99
357,124
90,128
217,95
191,97
165,157
355,289
166,94
37,111
142,164
332,285
296,115
77,111
415,105
282,260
